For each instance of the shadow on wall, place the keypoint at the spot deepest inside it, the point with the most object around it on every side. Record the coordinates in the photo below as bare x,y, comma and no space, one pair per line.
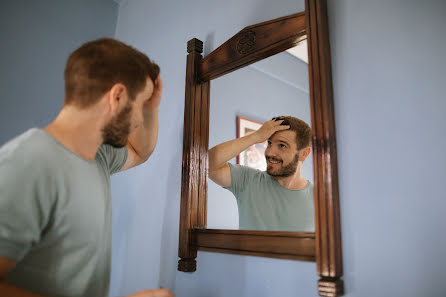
213,276
171,221
209,43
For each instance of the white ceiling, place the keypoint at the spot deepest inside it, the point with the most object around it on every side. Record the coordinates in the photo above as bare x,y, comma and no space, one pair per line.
300,51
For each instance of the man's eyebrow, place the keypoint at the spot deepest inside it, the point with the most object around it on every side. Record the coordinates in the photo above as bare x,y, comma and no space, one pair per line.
283,141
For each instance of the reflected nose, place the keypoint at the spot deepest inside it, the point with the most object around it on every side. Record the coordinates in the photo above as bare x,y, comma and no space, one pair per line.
270,155
267,151
270,152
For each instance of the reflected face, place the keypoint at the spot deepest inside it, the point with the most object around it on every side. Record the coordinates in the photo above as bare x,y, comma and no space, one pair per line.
117,131
282,157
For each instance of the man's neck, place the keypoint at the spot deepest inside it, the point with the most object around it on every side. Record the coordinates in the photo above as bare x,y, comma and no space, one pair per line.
294,182
80,131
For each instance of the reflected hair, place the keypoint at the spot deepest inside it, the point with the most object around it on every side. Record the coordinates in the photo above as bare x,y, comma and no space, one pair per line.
302,129
93,69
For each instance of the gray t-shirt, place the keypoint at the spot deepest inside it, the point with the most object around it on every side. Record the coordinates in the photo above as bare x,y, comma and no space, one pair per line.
55,215
264,204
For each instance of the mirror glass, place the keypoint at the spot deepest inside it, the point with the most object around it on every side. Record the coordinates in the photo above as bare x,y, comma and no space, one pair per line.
240,102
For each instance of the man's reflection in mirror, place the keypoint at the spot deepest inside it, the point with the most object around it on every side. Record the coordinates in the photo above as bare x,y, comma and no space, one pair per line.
278,199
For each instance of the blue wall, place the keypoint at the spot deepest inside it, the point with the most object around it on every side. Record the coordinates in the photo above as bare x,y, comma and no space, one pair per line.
389,77
36,38
163,32
389,89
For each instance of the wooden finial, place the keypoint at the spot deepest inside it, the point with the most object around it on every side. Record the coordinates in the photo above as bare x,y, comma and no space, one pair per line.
187,265
195,45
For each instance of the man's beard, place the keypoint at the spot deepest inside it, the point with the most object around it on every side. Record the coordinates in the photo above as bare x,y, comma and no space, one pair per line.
285,171
116,132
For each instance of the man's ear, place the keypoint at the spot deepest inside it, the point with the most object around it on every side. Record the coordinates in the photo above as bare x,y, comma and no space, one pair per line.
117,98
305,152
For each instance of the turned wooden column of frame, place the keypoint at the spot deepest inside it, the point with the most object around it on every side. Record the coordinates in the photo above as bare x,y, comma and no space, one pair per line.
328,225
195,146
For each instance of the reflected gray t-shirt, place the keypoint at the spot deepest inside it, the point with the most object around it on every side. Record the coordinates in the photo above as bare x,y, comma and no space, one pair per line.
55,215
264,204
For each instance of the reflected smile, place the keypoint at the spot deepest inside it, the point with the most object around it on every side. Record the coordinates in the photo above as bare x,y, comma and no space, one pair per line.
273,161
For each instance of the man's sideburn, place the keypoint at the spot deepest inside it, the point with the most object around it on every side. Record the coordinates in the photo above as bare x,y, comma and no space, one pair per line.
116,132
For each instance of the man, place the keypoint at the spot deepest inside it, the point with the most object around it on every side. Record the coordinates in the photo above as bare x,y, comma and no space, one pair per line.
55,208
279,199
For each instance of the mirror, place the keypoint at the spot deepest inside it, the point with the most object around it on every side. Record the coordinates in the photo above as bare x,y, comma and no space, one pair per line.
239,102
253,44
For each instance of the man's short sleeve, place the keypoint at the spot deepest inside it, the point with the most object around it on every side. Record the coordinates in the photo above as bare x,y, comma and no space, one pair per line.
240,176
113,158
25,205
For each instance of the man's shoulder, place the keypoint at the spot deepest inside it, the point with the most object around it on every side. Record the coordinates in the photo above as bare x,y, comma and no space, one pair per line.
253,174
30,147
245,169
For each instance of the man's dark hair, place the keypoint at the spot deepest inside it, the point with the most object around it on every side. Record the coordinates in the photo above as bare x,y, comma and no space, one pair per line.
302,129
97,65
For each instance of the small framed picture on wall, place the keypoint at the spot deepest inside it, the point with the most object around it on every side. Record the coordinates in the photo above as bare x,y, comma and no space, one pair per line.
254,156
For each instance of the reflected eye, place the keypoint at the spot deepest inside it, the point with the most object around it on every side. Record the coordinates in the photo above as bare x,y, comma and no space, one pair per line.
282,146
269,143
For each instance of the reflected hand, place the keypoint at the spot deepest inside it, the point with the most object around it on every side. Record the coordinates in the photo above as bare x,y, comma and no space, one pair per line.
153,293
268,129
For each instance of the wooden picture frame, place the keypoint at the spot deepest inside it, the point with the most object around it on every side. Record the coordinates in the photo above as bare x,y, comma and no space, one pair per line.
254,156
250,45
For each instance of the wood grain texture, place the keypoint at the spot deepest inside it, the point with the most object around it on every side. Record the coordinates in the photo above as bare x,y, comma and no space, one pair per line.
330,287
328,225
250,45
253,44
194,167
286,245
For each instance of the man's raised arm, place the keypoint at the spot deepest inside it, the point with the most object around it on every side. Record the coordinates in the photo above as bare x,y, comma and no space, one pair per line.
142,141
220,154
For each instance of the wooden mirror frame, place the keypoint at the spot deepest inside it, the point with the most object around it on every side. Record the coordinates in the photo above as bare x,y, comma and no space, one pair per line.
250,45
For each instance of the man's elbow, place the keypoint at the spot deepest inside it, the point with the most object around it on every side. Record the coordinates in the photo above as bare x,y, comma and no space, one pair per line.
146,156
214,166
221,176
212,174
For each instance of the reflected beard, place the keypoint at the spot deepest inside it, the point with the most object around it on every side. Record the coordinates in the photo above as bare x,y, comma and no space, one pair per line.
117,131
285,171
